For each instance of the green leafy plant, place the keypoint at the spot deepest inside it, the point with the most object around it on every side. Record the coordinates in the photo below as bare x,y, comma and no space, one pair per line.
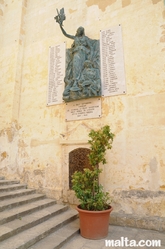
86,184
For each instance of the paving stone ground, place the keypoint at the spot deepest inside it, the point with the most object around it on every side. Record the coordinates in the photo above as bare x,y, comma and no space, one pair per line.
119,233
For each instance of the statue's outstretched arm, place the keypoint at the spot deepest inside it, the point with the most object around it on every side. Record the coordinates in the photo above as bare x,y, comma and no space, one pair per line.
67,35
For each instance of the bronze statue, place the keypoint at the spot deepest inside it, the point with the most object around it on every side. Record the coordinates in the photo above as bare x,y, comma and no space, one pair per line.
82,57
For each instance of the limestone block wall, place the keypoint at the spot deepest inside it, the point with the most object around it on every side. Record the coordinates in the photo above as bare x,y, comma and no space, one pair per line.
35,139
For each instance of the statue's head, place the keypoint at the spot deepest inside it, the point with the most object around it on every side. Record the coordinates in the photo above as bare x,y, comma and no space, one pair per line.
88,64
80,31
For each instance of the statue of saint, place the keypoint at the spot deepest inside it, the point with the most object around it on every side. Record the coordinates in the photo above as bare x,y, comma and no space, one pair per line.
83,57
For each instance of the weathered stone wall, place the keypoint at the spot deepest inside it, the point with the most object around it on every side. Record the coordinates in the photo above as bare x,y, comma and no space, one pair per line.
32,148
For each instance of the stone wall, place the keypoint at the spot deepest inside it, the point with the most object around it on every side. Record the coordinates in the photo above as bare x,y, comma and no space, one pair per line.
35,139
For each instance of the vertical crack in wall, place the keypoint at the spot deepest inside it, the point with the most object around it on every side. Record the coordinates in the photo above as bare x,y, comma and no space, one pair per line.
19,63
1,22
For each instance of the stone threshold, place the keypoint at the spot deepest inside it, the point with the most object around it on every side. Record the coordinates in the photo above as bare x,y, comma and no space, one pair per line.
152,223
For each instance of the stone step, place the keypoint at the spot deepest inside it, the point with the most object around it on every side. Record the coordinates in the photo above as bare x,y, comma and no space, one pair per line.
16,193
8,182
58,238
2,177
31,236
14,227
18,212
31,220
18,201
13,187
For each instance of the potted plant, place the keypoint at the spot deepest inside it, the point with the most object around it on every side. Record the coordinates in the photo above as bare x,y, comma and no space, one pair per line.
94,208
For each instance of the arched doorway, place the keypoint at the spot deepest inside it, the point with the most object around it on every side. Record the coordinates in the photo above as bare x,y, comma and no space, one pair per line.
78,160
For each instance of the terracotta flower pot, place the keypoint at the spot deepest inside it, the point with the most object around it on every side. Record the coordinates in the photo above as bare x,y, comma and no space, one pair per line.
94,224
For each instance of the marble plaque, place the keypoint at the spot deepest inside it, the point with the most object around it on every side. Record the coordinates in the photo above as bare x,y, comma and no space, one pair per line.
83,109
57,55
112,62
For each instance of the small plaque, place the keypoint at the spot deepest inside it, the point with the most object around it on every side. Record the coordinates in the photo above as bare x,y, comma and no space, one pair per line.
112,62
57,56
83,109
